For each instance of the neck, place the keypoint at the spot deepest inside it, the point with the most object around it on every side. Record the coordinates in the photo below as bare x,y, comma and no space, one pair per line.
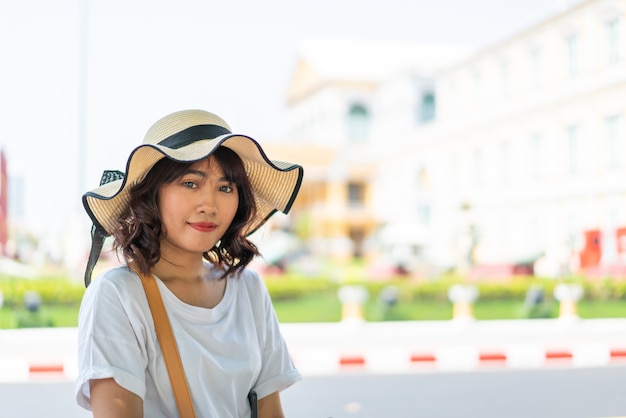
188,280
181,269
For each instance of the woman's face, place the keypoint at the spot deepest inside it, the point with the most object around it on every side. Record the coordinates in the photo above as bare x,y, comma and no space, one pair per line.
197,208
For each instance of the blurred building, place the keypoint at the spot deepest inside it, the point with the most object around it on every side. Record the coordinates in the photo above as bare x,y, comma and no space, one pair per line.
4,204
358,101
532,142
511,155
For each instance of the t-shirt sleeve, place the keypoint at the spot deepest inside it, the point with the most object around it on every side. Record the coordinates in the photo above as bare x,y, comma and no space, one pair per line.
277,370
111,340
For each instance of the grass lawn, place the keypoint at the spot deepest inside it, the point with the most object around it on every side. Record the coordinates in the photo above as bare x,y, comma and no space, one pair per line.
314,308
326,308
57,316
600,309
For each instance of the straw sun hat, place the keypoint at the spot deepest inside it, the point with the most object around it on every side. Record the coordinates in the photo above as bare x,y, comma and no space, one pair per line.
188,136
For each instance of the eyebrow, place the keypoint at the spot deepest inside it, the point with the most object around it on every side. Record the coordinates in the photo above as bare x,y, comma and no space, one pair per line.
204,175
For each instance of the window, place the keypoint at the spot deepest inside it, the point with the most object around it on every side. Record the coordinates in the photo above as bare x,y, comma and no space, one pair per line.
478,168
357,236
572,150
573,227
535,67
505,162
536,153
572,55
423,214
613,42
454,172
534,227
358,123
453,98
614,146
422,179
478,88
427,107
506,236
505,76
356,195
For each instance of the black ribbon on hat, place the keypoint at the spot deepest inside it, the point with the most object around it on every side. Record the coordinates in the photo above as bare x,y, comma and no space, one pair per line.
193,134
98,233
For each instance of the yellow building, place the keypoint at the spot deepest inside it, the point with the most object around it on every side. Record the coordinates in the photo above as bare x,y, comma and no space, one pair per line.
336,88
332,214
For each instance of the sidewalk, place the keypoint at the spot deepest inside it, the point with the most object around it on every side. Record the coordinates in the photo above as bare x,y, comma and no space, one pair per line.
378,347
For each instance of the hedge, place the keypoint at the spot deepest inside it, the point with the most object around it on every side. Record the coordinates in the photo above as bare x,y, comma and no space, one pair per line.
59,290
52,290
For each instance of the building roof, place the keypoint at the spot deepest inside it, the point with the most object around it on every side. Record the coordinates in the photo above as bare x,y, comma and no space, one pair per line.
324,61
375,61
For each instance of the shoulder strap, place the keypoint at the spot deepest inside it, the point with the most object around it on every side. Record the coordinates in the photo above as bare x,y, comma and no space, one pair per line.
168,347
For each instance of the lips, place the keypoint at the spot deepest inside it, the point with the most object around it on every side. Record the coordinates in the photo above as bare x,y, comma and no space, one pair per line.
203,226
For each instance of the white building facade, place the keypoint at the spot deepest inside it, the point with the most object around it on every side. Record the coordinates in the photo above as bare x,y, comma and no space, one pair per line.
529,148
513,152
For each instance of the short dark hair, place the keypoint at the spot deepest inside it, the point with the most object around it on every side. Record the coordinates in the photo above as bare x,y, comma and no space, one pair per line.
139,229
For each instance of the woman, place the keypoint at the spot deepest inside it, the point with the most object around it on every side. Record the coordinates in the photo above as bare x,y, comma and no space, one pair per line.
180,215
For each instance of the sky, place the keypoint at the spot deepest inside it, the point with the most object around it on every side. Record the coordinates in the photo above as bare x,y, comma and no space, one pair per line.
94,75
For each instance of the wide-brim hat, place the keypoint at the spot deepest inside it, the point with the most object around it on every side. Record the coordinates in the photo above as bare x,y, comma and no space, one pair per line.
189,136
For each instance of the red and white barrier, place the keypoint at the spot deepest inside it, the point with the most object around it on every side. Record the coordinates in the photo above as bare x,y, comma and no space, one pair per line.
319,362
392,347
16,369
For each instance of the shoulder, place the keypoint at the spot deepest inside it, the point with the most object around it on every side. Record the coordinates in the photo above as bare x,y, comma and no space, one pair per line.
119,282
114,297
248,275
251,280
248,286
245,277
117,275
121,276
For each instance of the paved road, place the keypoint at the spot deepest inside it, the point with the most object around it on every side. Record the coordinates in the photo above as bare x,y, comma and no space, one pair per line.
500,393
546,393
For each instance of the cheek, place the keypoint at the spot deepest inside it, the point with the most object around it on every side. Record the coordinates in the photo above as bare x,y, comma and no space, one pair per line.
168,209
233,206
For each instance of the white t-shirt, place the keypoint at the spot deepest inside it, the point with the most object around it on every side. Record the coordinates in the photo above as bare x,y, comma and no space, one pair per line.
226,351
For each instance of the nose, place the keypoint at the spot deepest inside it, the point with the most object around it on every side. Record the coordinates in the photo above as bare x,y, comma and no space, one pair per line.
207,203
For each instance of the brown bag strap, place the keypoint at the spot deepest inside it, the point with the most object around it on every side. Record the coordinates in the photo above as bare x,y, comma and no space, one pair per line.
168,347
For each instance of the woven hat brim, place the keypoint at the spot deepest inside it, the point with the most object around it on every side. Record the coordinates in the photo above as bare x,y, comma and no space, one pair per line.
275,183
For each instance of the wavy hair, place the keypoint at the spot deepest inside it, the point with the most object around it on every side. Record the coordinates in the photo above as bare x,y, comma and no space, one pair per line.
139,229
